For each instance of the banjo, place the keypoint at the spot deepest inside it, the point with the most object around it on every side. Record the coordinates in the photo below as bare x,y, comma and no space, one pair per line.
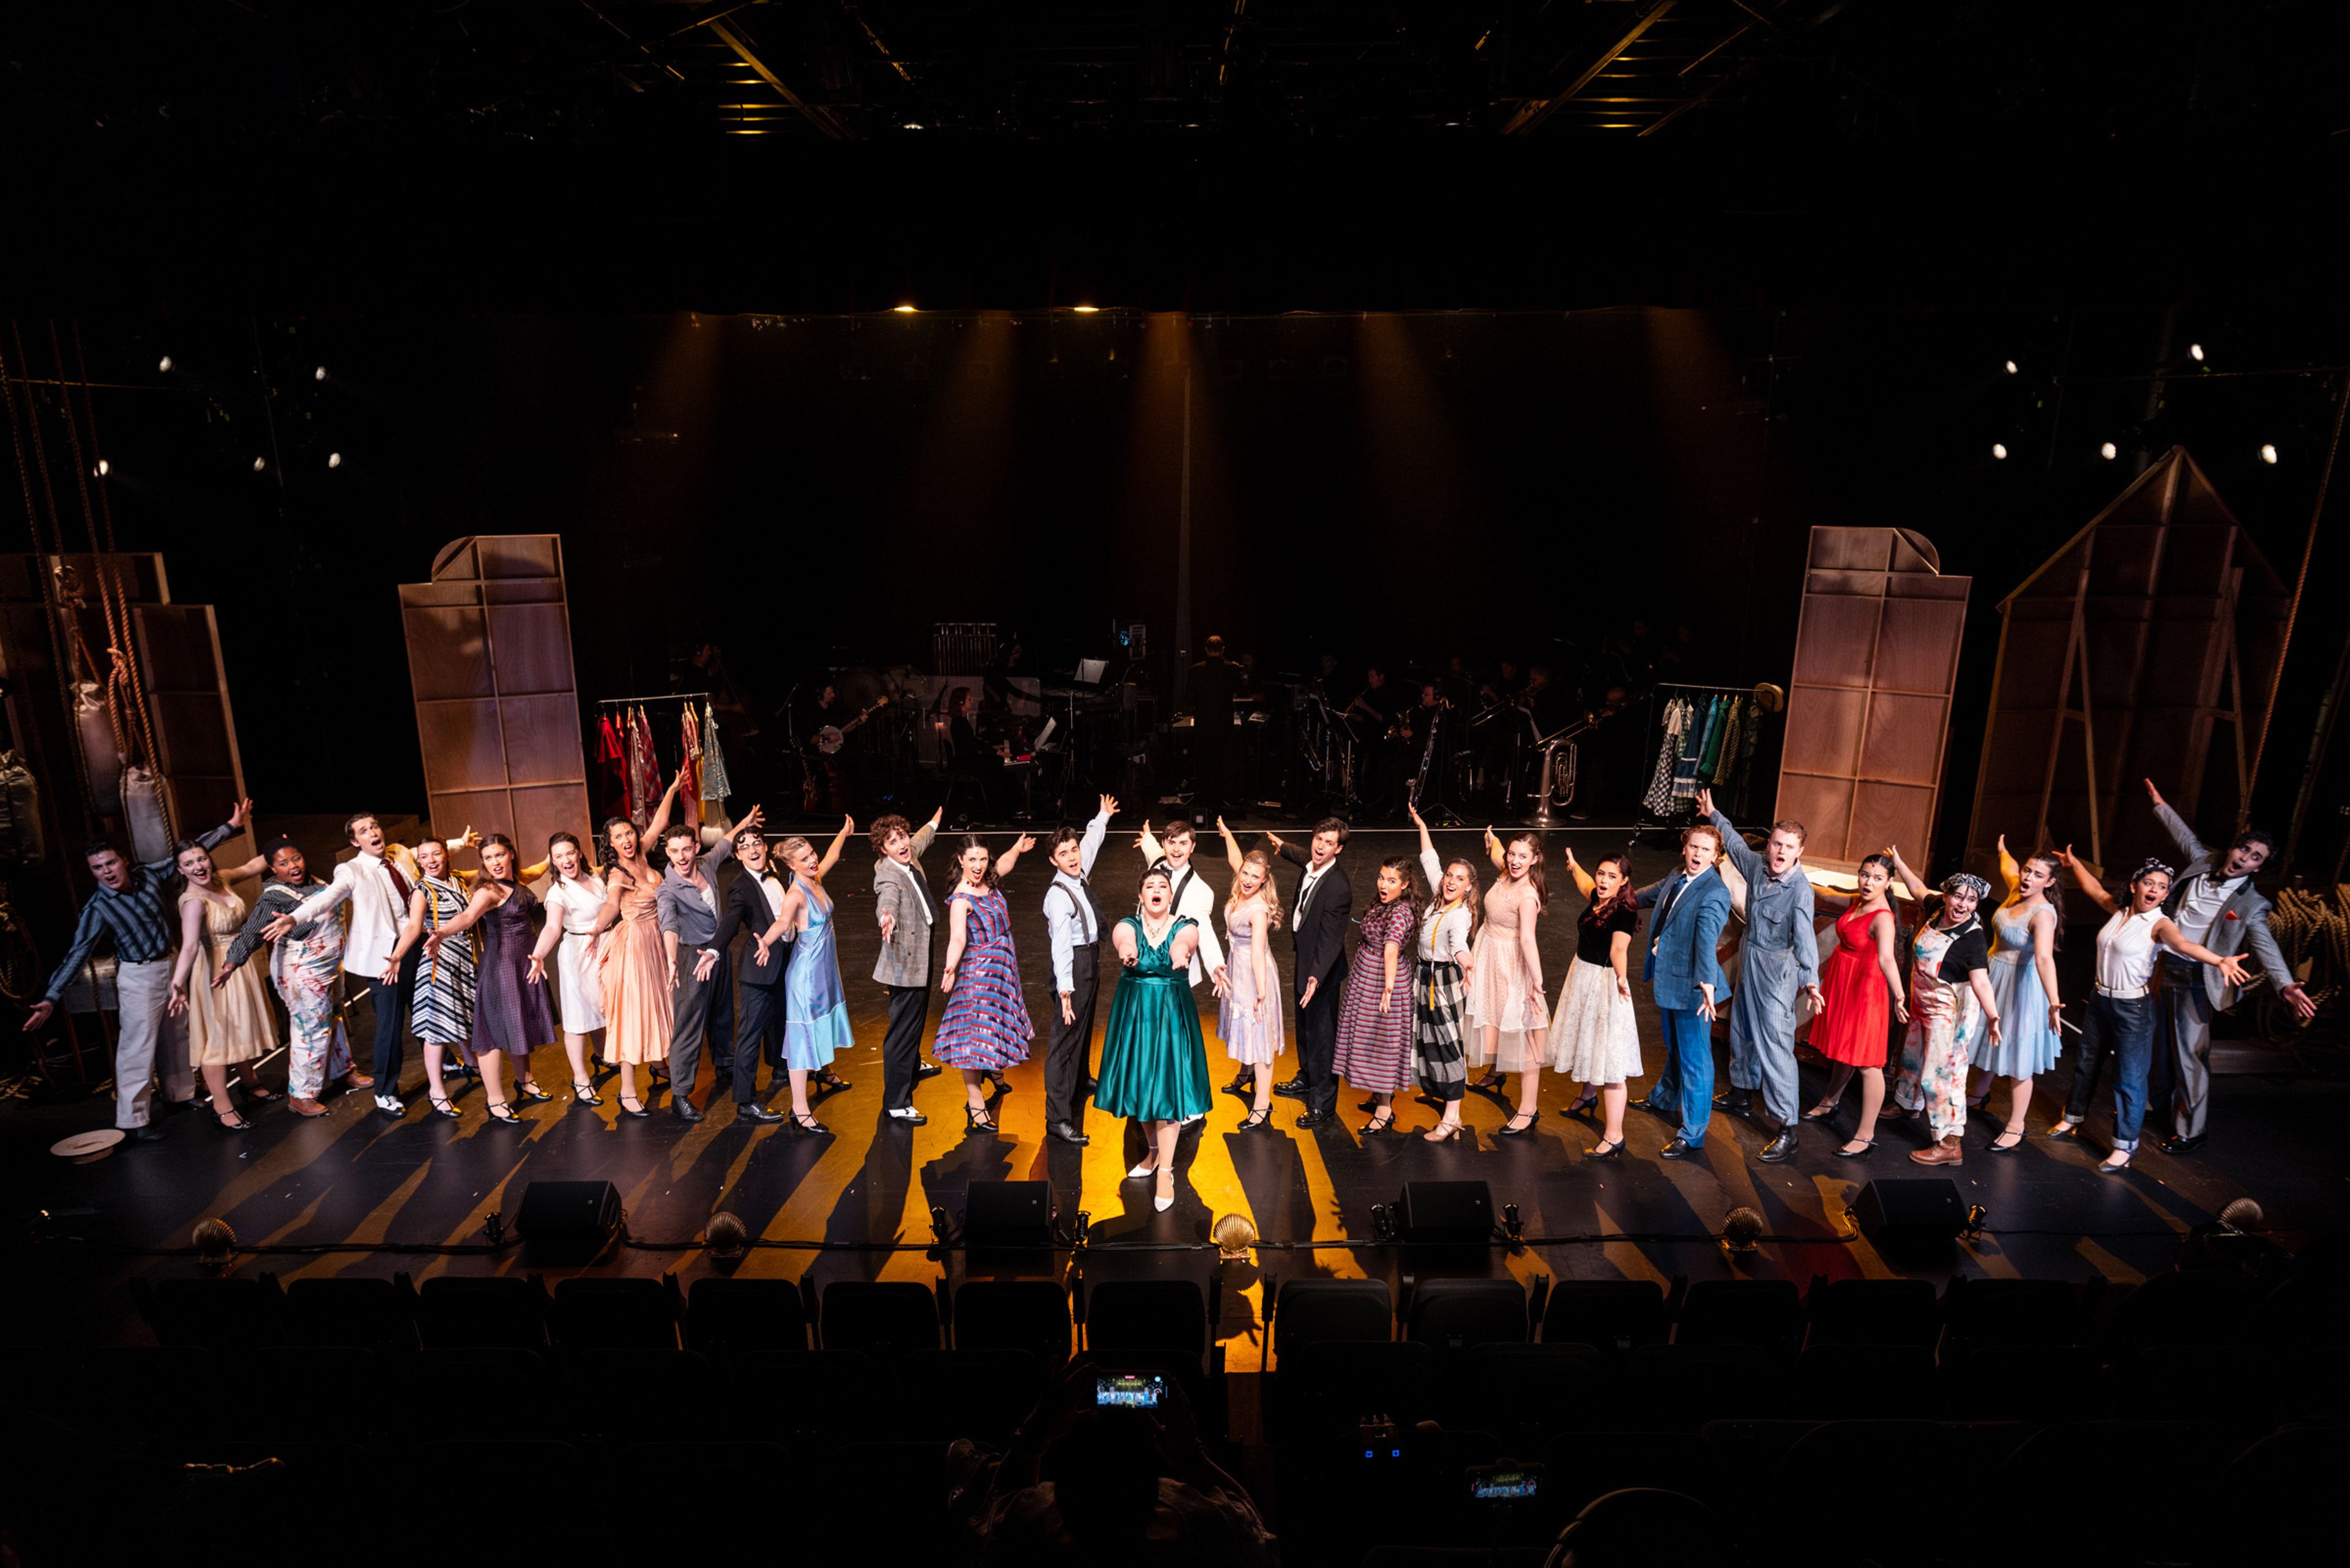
830,739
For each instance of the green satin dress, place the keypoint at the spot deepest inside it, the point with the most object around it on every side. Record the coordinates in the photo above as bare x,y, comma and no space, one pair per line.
1154,1061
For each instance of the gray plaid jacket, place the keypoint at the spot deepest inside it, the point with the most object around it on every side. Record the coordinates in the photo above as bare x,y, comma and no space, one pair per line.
906,957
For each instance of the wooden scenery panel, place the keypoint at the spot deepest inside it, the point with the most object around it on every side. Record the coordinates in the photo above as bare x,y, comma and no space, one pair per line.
497,709
1868,705
2143,648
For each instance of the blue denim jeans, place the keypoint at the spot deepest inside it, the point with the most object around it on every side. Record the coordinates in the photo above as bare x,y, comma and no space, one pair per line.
2122,1028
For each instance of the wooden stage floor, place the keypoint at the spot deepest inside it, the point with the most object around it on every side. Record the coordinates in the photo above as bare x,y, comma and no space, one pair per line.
423,1181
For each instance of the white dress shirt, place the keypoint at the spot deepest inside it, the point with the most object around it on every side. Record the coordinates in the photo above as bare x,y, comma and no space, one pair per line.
1306,885
1070,916
1443,932
1197,903
2200,905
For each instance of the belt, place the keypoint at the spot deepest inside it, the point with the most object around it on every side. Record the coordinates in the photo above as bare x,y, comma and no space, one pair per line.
2124,993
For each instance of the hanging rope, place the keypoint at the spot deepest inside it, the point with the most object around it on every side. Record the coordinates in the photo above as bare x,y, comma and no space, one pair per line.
125,688
62,615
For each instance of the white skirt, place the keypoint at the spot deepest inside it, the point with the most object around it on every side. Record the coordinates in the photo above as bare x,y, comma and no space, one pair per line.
1595,1039
1498,1000
578,983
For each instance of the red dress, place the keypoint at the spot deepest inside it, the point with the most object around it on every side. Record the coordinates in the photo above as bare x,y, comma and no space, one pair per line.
1854,1010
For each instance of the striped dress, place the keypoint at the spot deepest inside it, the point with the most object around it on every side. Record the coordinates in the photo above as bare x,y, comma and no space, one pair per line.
444,1010
984,1024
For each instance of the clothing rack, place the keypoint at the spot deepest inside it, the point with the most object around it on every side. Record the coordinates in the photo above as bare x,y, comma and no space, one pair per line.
1731,776
658,697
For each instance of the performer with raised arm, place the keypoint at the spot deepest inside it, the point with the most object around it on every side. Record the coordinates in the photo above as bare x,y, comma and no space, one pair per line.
1073,924
701,985
1154,1063
984,1028
229,1026
1195,900
633,973
1685,979
575,900
1439,988
1318,935
441,1000
1249,1017
754,901
2025,933
1952,1009
908,912
1373,1050
2120,1017
511,1016
2214,903
1779,959
816,1010
1595,1039
1860,988
1509,1010
303,968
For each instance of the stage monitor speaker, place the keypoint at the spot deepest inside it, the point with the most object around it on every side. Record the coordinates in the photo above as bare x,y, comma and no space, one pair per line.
1445,1213
1008,1215
564,1222
1921,1212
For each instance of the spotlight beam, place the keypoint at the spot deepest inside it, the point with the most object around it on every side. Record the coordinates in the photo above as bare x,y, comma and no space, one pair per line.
1534,111
823,119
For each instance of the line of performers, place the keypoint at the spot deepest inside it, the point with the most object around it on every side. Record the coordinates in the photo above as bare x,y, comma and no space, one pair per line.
1440,981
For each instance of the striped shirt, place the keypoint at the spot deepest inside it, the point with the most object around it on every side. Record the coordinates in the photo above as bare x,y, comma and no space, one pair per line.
135,917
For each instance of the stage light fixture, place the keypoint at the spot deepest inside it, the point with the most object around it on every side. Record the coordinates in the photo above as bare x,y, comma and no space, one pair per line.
1234,1236
1742,1231
912,125
103,468
215,1244
2195,352
2268,454
903,309
334,460
1999,450
2243,1214
2110,452
164,364
259,464
1084,309
2011,366
726,1237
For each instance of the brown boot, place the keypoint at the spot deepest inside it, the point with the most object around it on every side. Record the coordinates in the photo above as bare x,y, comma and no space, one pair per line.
1946,1152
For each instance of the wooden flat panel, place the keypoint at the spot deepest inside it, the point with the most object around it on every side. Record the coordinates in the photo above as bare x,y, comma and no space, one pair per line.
188,736
1849,584
429,596
533,648
1851,549
448,655
464,746
1920,586
540,812
542,741
490,811
1918,648
518,555
1824,730
1885,814
1903,740
1821,804
522,591
1838,642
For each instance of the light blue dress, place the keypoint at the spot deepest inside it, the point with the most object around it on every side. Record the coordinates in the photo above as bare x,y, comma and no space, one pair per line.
2027,1046
815,1013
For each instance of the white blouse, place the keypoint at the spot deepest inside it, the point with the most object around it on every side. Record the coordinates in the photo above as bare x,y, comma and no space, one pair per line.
1443,933
579,902
2125,952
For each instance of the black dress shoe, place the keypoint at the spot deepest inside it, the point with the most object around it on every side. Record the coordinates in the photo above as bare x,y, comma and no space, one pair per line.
752,1111
683,1109
1734,1102
1244,1083
1294,1090
1659,1109
1313,1119
143,1134
926,1070
2183,1145
1068,1134
1780,1148
1679,1149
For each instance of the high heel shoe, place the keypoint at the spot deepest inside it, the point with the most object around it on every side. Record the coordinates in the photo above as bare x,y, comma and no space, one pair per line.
238,1126
1254,1120
1582,1106
975,1119
1442,1132
2066,1128
1145,1169
585,1095
1510,1127
1367,1105
1863,1152
829,1080
260,1096
443,1106
503,1111
531,1091
1995,1147
802,1124
633,1106
1378,1125
1606,1151
1821,1112
1163,1201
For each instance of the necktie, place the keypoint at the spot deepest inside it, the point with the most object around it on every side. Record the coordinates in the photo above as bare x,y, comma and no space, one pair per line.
398,892
1665,908
923,891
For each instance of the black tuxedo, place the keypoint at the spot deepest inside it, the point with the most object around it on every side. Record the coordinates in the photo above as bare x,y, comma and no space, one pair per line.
759,1012
1318,936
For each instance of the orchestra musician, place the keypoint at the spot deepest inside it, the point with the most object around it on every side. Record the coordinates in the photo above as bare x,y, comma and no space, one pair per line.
1378,707
1215,682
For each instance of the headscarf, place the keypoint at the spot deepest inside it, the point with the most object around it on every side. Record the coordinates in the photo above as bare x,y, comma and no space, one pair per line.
2152,864
1968,881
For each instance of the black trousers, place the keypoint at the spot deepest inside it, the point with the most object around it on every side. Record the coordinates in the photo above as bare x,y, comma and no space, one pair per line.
1317,1041
1070,1043
901,1044
758,1032
701,1010
390,999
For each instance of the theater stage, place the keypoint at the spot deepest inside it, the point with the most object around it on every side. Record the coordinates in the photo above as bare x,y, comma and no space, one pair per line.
424,1182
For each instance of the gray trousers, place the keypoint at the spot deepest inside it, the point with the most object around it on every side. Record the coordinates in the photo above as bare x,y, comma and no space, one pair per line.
1762,1028
699,1008
151,1039
2185,1013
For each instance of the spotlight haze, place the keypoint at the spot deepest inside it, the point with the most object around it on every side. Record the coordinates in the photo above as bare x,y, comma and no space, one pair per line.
2110,452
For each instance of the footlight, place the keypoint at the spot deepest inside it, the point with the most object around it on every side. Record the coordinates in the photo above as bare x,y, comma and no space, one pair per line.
726,1239
1742,1230
215,1244
1234,1236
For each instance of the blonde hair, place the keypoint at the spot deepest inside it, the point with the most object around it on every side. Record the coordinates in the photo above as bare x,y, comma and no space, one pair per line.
791,846
1264,894
1470,900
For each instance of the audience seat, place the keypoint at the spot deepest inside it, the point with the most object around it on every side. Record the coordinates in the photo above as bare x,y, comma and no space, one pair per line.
1031,1316
1766,1314
488,1311
1873,1311
1526,1394
1147,1314
1681,1388
2178,1308
880,1317
728,1317
815,1400
231,1312
1609,1314
352,1308
1314,1312
1836,1381
2036,1312
624,1313
982,1394
1454,1316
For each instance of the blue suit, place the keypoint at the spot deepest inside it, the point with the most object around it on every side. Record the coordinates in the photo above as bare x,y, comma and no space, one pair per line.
1681,959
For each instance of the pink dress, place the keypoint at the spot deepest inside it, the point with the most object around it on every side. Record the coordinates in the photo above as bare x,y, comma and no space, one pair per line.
1374,1050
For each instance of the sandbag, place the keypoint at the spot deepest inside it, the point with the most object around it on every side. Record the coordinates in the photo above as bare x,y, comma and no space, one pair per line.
23,841
142,809
100,754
